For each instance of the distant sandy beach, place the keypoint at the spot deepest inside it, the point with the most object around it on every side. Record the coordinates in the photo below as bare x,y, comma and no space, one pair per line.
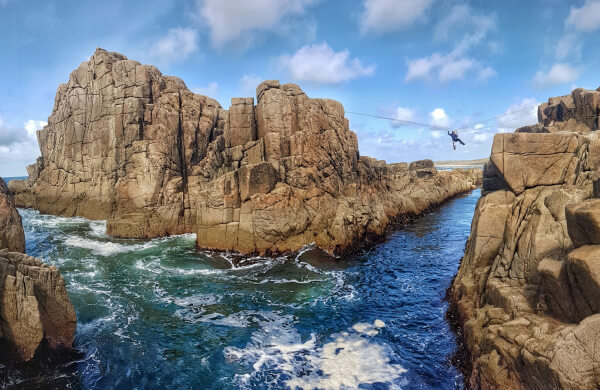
461,163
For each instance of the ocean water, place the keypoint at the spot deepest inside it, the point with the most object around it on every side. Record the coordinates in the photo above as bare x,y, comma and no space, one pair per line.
156,314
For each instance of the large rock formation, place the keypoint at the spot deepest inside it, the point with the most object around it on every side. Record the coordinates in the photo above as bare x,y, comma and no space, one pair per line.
126,144
12,236
34,306
575,112
526,298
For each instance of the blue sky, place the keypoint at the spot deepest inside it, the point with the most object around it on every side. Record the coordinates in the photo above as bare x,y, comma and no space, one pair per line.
448,63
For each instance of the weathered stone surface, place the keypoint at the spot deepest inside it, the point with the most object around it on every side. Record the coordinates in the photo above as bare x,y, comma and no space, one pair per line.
423,168
524,298
584,275
529,160
12,236
127,144
554,280
34,305
583,222
577,111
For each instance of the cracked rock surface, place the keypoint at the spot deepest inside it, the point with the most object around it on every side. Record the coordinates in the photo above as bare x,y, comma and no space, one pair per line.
526,296
127,144
12,236
34,306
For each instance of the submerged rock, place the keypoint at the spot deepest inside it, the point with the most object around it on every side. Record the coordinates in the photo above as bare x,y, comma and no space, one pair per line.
525,298
127,144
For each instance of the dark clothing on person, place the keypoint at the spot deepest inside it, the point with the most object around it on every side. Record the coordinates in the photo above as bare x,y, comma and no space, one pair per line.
455,138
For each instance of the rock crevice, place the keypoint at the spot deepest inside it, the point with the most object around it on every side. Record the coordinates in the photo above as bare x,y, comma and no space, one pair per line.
126,144
34,306
525,296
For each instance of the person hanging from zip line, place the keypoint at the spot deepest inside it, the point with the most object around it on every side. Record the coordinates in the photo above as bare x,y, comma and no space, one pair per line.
455,138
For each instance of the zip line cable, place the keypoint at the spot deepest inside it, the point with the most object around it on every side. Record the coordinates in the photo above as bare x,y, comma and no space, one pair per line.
436,127
401,121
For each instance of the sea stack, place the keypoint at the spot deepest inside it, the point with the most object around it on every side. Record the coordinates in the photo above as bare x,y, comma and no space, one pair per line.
34,306
526,298
129,145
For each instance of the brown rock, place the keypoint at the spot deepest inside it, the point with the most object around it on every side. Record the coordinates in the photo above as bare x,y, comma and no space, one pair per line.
12,236
424,168
127,144
556,285
34,305
583,222
584,274
22,194
522,287
257,179
529,160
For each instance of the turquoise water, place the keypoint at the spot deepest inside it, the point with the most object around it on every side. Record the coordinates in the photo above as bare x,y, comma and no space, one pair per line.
162,314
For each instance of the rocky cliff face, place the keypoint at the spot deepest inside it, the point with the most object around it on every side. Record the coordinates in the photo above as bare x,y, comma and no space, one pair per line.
34,306
12,236
127,144
525,298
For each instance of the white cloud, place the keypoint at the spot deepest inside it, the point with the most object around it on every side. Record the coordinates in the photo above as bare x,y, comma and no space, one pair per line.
176,45
569,46
520,114
381,16
486,73
436,134
248,84
403,114
211,90
446,68
560,73
320,64
585,18
439,117
230,20
8,134
457,64
32,126
18,146
461,19
482,137
455,69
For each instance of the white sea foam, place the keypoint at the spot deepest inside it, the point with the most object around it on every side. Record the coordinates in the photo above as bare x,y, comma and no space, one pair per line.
192,305
348,362
108,248
286,281
197,300
98,228
241,319
352,359
98,247
252,262
304,249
